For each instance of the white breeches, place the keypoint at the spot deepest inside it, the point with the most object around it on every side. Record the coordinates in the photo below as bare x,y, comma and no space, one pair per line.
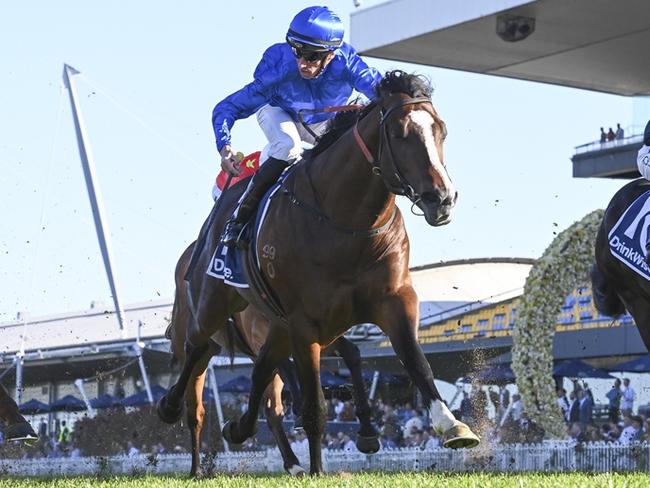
285,137
643,162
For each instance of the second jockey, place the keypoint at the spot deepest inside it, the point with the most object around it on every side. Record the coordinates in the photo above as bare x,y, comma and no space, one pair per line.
313,69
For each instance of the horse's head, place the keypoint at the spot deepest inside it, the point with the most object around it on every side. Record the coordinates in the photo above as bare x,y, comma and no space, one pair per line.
411,157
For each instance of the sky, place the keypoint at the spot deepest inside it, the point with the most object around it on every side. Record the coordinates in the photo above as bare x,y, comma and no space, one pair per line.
151,74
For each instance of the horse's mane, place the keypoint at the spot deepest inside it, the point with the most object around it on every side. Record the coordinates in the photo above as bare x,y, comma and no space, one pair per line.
396,81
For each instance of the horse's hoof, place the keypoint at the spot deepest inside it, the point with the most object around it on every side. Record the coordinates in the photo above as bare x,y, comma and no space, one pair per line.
21,431
168,414
368,445
460,436
297,471
229,433
197,475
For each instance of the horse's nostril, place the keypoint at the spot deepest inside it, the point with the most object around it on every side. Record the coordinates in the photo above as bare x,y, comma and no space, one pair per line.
455,196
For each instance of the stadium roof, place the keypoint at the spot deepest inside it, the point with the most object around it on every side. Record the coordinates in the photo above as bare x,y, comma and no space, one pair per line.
593,44
445,287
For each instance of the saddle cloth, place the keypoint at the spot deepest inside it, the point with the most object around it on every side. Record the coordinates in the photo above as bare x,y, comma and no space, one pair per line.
227,262
628,238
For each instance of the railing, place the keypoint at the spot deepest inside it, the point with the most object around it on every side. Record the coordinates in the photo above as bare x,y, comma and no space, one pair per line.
555,456
597,146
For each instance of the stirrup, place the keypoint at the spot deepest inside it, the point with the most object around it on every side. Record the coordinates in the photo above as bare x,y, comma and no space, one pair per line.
233,235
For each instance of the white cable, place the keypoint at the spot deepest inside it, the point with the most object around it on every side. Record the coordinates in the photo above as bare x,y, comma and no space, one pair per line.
143,123
41,225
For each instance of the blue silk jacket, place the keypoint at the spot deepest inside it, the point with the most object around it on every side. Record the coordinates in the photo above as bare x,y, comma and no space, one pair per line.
277,82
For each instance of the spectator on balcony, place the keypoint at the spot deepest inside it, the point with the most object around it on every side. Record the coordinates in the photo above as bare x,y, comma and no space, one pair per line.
610,135
620,133
614,396
627,402
603,136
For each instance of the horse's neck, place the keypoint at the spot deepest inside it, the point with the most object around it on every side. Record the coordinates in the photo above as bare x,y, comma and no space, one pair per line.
348,191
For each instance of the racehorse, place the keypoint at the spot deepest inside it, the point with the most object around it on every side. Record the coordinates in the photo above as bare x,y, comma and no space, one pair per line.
334,250
615,286
17,429
251,330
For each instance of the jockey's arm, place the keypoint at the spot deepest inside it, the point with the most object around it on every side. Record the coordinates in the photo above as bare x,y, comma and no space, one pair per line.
243,103
363,78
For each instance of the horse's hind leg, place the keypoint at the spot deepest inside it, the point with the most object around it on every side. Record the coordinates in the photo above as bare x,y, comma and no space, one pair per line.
213,311
288,373
367,439
196,411
397,316
274,415
273,352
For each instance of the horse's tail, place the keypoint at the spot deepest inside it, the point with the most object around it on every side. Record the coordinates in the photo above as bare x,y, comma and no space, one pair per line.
606,299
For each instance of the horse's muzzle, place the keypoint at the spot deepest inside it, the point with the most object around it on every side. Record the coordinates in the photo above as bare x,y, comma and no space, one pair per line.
437,212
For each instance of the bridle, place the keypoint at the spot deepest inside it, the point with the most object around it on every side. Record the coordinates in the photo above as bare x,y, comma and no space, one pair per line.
400,186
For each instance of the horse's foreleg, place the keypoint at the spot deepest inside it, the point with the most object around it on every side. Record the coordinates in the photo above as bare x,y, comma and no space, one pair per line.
398,318
274,416
367,439
306,354
273,352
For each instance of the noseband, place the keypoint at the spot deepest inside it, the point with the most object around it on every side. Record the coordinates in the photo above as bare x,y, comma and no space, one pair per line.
401,186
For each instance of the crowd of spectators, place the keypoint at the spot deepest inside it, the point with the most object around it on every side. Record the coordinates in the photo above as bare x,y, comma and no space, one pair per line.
493,412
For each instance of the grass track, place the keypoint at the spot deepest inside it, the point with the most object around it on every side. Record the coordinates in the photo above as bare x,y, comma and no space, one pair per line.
362,480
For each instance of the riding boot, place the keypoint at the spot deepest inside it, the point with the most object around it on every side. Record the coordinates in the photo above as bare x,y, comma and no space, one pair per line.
266,175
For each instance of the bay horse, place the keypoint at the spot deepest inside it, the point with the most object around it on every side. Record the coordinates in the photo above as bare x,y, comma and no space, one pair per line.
251,330
334,250
17,429
615,286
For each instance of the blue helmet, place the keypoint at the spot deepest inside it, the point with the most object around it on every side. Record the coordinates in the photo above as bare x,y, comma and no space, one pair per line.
315,29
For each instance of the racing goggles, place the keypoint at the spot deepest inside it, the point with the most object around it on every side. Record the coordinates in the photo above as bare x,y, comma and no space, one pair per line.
309,55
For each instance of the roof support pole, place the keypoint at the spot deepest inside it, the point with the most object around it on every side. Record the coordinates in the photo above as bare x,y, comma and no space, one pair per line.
94,194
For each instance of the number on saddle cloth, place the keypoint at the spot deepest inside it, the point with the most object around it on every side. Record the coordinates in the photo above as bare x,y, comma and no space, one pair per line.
249,165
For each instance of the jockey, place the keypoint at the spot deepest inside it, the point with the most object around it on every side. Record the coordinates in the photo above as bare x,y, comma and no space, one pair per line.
643,163
314,68
643,159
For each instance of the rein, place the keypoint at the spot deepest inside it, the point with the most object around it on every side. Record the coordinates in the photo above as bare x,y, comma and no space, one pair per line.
403,187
